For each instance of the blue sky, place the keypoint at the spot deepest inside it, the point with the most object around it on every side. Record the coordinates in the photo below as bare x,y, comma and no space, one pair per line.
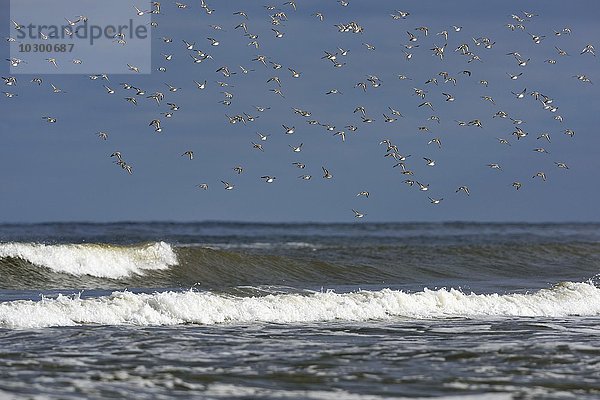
63,172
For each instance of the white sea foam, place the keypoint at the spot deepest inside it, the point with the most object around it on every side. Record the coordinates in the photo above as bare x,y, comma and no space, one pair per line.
171,308
105,261
228,391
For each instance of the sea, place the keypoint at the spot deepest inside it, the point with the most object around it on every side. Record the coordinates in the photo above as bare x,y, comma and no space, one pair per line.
223,310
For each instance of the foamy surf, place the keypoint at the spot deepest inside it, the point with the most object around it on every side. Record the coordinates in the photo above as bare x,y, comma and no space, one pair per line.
99,260
173,308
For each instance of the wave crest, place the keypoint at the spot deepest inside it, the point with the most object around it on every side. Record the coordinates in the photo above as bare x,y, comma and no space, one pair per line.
98,260
173,308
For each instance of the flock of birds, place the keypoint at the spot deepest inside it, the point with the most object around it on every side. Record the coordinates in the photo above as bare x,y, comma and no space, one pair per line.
277,16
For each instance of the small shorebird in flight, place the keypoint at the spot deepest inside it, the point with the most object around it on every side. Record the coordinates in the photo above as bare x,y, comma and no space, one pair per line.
395,112
12,81
139,12
514,77
156,124
388,119
268,179
463,189
257,146
588,49
16,25
423,187
228,186
583,78
52,61
188,153
521,94
295,74
400,15
56,89
200,85
172,88
449,97
358,214
436,141
262,136
296,149
188,45
341,134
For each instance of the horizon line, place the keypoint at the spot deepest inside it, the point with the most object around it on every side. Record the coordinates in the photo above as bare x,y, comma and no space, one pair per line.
232,222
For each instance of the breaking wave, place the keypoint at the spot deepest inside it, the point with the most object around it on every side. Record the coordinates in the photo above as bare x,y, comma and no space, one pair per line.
299,264
97,260
207,308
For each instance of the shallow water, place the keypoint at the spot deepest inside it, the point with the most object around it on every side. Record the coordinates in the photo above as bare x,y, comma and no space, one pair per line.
223,310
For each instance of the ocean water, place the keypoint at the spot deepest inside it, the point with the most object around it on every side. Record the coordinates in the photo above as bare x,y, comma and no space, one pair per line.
300,311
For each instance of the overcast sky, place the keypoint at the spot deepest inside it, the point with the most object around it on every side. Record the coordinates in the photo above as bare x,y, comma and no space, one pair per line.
63,172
